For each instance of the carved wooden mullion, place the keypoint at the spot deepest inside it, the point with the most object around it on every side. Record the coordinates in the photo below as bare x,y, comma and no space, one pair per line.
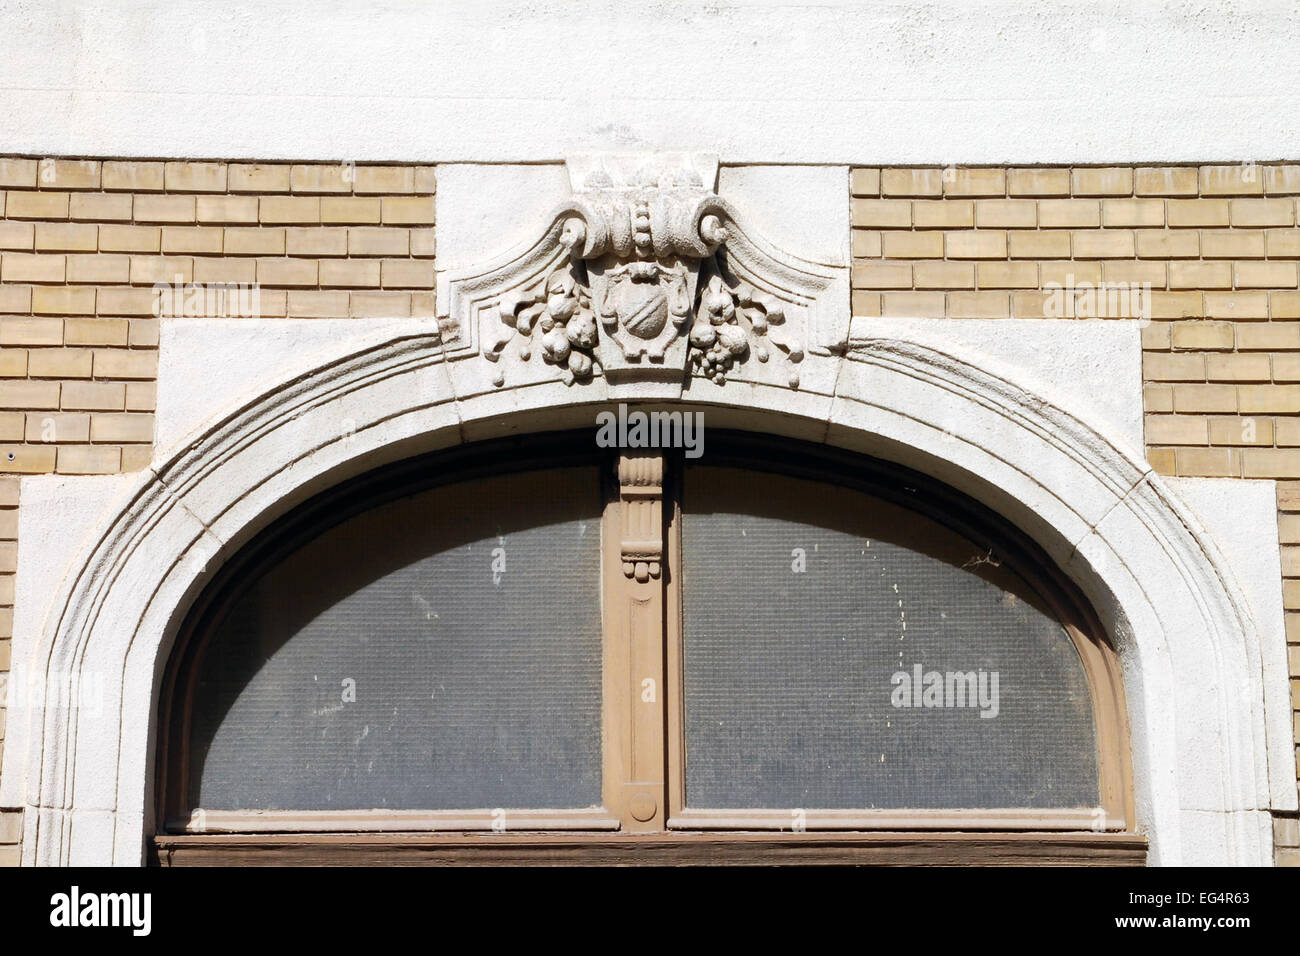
640,489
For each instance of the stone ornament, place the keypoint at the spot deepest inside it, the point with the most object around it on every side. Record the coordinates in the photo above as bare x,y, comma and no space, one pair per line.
645,274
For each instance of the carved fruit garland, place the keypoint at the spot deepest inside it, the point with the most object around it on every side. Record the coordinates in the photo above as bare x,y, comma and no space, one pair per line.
560,310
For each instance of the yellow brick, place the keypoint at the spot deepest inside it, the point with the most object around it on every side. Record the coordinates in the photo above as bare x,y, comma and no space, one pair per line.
94,396
1176,430
136,457
141,396
225,269
66,237
89,459
1112,181
164,209
1266,275
1280,243
17,173
191,239
944,275
1134,273
57,427
29,395
1038,182
1205,398
287,272
866,243
349,210
254,241
15,298
1287,434
59,363
1158,335
912,245
943,214
1177,305
881,275
974,182
1196,212
1039,244
1200,275
1142,213
317,304
126,302
1271,463
52,300
146,270
379,304
1242,306
407,274
864,182
923,305
1284,305
1208,462
1202,335
1069,273
1237,368
100,207
979,305
384,179
258,177
1241,431
1071,213
1166,181
322,178
1052,304
1162,460
24,267
124,363
1007,275
1262,212
130,238
17,235
911,182
133,176
1173,367
195,177
1269,337
1268,399
68,174
126,427
227,209
424,242
1006,213
290,209
1242,179
37,206
13,362
1103,244
28,459
95,331
1286,368
976,245
1282,180
407,211
316,241
144,333
351,273
1232,244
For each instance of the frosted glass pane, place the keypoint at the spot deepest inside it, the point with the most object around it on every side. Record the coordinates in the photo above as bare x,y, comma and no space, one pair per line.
439,651
805,602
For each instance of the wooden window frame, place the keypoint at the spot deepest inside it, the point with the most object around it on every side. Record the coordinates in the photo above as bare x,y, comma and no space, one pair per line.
644,817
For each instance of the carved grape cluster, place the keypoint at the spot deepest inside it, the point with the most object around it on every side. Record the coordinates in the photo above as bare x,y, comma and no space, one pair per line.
560,311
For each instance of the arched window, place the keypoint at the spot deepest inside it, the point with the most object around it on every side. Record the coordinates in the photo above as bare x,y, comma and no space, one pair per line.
539,649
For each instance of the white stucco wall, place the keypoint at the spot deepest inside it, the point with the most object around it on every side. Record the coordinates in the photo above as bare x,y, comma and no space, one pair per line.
882,81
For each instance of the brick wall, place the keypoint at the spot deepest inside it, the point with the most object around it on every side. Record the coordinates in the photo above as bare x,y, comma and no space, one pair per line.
82,245
1217,247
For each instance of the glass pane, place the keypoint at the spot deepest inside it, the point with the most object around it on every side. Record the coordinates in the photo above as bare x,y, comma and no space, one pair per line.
439,651
810,612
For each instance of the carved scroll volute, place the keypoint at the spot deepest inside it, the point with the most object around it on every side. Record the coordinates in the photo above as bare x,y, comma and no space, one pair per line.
640,489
